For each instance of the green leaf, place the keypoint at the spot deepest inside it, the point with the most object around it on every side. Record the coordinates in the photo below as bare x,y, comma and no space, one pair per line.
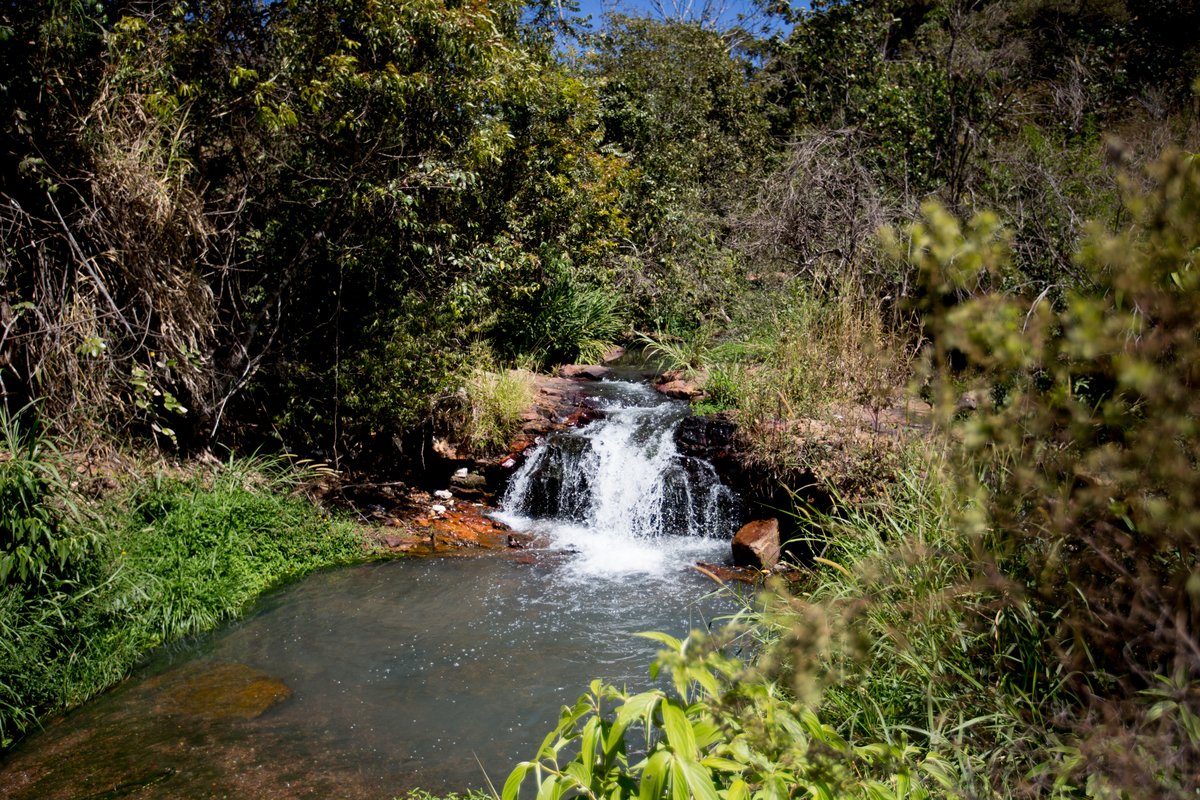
654,776
699,781
512,786
663,638
679,731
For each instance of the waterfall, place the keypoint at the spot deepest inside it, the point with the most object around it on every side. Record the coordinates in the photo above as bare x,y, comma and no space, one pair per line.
618,495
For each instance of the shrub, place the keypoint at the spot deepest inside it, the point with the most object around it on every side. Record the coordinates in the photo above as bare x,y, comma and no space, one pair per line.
1085,460
566,320
42,539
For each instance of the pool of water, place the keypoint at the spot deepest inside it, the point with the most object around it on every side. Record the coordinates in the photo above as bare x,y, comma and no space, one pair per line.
366,681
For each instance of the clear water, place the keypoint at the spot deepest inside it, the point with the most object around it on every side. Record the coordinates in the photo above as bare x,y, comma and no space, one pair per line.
428,673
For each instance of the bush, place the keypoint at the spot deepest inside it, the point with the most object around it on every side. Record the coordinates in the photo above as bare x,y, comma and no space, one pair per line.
1085,459
565,321
42,537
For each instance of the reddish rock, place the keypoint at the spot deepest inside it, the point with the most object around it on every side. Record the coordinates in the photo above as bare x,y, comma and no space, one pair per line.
722,574
612,354
220,691
587,372
680,389
757,544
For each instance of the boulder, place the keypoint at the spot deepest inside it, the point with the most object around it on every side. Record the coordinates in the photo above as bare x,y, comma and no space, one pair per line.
757,544
680,389
471,486
614,353
587,372
709,437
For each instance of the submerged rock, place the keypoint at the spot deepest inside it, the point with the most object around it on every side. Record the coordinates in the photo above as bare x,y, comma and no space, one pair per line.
221,691
757,544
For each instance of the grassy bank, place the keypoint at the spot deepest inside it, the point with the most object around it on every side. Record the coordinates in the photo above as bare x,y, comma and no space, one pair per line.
1014,614
92,582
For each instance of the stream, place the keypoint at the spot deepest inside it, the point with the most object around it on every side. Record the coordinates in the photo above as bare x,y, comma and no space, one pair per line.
440,673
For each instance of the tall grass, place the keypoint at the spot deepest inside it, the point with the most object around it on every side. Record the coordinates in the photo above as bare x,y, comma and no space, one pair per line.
175,556
492,408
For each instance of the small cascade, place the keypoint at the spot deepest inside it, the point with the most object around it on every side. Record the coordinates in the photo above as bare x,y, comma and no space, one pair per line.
619,494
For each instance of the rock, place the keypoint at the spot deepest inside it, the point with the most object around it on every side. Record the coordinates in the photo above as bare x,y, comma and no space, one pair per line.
582,415
438,509
445,449
472,480
972,400
679,385
461,472
587,372
757,544
472,486
612,354
221,691
443,494
707,437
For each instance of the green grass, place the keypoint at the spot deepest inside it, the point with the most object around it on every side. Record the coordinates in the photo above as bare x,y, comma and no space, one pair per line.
491,413
174,557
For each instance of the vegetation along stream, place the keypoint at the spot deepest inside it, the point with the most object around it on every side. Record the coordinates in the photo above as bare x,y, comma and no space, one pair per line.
370,680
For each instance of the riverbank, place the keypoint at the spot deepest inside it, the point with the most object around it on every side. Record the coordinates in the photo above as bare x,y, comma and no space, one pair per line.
156,553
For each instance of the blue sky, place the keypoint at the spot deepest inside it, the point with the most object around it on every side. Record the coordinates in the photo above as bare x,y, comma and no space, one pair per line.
597,8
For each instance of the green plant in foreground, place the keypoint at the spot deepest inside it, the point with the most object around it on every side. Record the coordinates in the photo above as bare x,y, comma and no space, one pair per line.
723,732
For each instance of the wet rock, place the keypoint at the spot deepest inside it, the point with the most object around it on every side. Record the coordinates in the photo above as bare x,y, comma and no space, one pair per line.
709,437
222,691
587,372
722,574
614,353
757,544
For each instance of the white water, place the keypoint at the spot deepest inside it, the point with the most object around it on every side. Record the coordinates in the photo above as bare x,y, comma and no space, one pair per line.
617,495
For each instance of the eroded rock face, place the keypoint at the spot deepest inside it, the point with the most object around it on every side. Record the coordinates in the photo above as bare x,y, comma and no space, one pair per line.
757,544
709,437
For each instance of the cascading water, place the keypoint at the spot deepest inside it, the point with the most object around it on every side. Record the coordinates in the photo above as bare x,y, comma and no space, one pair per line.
413,672
618,495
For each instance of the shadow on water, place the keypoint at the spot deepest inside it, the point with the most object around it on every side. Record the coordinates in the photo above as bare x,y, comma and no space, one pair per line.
366,681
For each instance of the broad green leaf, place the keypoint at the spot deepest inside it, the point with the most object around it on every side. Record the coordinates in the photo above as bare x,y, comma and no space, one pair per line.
699,781
587,747
722,764
662,638
654,776
512,786
679,731
738,790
